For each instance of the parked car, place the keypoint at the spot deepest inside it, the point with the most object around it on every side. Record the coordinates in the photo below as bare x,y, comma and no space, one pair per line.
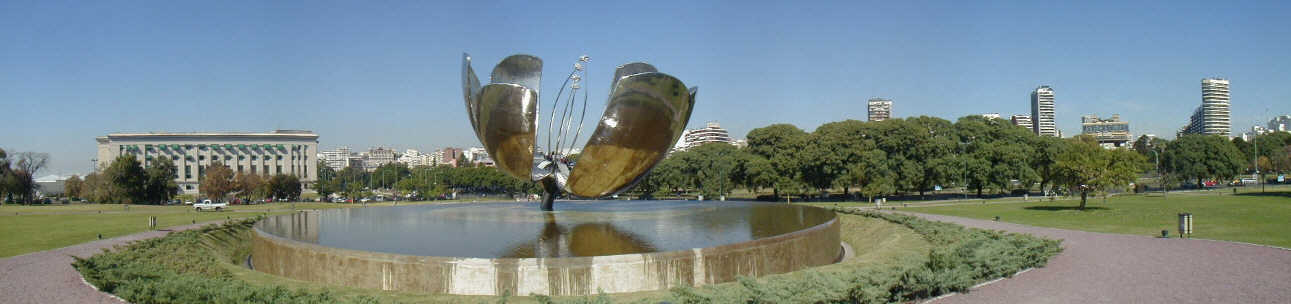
209,205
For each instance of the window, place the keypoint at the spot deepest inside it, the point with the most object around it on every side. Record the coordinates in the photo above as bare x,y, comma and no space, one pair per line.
253,157
188,172
239,168
188,187
266,169
241,157
201,157
174,158
279,168
253,168
279,157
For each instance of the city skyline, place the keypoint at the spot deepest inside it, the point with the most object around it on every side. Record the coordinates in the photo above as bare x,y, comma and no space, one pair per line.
366,75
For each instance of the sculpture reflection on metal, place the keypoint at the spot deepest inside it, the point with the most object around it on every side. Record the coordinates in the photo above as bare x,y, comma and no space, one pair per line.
646,114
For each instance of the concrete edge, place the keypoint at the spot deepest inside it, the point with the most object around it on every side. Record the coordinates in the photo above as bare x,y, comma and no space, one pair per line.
979,285
96,288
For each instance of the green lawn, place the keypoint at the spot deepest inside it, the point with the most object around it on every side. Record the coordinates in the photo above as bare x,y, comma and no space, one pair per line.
37,232
1261,218
44,227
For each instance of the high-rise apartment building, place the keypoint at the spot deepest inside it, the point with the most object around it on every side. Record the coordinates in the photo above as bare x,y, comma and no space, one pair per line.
1212,116
378,157
712,132
1042,112
336,159
880,109
1110,132
1021,120
1280,124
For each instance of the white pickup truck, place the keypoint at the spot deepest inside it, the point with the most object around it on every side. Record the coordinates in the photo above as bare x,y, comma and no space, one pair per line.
208,205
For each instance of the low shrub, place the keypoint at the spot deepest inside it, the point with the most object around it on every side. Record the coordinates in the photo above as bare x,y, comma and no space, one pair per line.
960,258
186,267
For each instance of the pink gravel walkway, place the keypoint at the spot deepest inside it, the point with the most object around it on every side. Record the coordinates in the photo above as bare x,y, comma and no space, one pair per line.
48,276
1117,268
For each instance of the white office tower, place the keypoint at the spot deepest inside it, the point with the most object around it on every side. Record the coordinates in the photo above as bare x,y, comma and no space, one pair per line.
1212,117
1042,112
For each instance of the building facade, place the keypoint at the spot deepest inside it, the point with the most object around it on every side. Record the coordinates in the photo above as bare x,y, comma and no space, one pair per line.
336,159
1042,112
991,115
1280,124
712,132
278,152
1212,117
879,109
377,157
1021,120
1110,132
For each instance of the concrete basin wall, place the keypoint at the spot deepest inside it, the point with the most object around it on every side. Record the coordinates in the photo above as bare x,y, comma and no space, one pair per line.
814,246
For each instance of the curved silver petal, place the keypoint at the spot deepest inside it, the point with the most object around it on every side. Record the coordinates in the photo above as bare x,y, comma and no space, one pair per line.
471,91
524,70
510,112
647,113
629,70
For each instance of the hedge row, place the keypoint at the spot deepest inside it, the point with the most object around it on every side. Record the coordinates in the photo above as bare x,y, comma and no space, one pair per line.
960,258
185,267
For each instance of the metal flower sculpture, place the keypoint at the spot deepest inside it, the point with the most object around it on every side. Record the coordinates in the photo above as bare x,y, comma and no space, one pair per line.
647,113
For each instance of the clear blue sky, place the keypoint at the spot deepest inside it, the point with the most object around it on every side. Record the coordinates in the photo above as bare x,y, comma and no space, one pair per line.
364,74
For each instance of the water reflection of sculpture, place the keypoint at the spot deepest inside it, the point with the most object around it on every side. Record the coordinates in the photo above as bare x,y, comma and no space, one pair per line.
589,239
646,114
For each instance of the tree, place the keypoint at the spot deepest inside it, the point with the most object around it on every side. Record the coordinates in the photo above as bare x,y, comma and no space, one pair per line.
218,182
779,144
6,175
1087,167
22,178
324,185
284,187
1045,160
1202,157
159,178
124,180
249,186
74,187
387,175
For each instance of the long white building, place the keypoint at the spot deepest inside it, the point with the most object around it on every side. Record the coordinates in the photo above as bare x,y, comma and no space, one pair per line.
1042,112
1213,116
712,132
277,152
879,109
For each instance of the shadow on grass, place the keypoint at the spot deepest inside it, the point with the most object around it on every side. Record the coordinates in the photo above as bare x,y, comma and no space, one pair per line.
1273,194
1063,208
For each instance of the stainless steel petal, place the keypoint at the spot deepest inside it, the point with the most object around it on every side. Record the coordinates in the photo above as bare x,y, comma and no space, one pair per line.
524,70
647,113
629,70
471,91
509,115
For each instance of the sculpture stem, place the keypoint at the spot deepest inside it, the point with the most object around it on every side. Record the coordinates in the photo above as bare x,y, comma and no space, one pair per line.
549,193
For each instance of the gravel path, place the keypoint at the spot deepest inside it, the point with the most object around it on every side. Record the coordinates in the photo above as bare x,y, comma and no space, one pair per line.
48,276
1117,268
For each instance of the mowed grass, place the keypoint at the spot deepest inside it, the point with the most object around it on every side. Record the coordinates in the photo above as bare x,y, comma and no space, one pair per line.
37,232
875,242
1253,217
26,229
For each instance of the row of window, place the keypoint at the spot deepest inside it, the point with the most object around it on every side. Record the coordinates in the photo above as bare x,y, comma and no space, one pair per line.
240,157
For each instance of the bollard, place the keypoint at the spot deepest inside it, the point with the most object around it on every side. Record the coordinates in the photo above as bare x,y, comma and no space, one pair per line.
1185,225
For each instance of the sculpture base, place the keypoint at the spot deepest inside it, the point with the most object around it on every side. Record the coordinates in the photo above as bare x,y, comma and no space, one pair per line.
510,248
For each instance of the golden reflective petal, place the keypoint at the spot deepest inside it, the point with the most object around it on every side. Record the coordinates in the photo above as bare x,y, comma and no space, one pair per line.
647,113
471,90
509,113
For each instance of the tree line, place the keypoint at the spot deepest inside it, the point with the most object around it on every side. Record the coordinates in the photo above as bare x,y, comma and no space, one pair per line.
922,154
421,181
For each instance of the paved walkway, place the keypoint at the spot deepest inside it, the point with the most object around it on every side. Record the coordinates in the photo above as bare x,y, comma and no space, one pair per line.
1116,268
48,276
